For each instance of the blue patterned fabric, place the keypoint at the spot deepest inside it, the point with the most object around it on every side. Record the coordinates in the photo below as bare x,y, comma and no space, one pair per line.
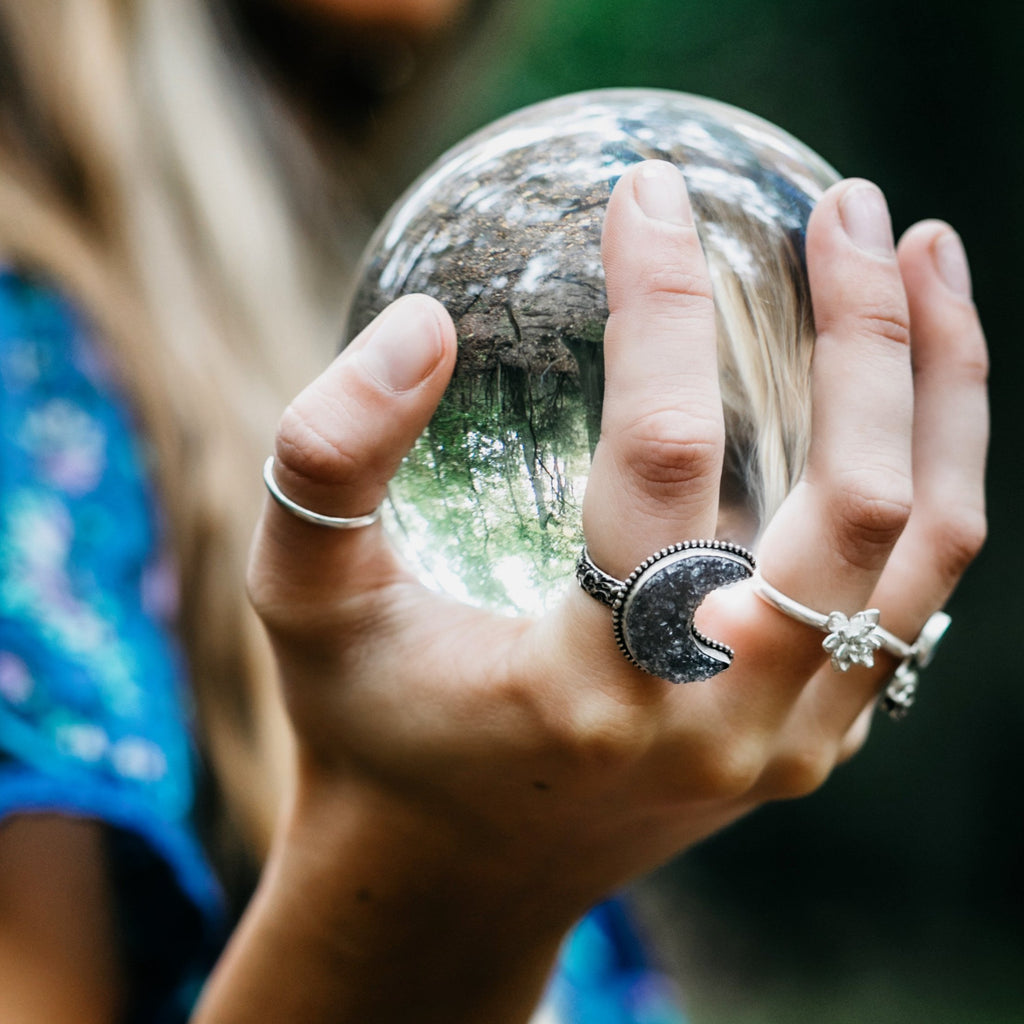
605,975
92,712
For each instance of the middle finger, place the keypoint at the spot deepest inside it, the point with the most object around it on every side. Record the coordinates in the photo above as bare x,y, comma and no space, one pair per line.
657,467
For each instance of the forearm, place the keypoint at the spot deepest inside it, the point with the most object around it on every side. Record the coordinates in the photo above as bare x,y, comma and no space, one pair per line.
59,953
366,915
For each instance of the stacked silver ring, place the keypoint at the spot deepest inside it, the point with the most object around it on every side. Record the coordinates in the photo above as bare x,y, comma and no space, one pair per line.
853,640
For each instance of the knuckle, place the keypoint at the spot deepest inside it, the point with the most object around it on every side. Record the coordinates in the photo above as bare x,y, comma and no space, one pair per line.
971,363
257,589
957,537
309,453
668,448
887,319
669,282
801,771
890,324
278,605
597,735
601,739
976,369
735,770
853,742
869,514
725,770
266,598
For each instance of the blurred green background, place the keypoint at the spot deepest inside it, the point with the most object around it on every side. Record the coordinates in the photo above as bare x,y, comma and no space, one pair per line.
896,893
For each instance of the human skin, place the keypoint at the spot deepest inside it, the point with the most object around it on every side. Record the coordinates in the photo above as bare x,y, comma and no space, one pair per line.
468,785
59,953
416,16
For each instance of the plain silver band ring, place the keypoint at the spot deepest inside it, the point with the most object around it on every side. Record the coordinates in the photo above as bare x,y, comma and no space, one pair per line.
317,518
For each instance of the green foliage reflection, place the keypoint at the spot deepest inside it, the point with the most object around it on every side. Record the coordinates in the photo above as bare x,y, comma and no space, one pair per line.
488,501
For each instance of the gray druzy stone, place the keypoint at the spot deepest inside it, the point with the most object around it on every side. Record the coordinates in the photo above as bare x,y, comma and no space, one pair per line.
654,621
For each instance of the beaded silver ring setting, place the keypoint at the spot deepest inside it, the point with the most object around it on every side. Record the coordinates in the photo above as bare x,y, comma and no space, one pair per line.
653,608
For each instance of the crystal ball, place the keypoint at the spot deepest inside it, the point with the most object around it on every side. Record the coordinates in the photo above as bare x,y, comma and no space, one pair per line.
505,230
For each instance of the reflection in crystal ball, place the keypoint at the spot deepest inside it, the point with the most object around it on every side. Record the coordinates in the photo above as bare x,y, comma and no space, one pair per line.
505,231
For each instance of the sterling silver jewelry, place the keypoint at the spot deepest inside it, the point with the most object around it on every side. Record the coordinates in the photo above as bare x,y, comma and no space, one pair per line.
334,522
849,641
854,640
653,608
901,692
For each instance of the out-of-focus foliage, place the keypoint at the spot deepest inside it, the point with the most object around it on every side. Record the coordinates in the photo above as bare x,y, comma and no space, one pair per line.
900,887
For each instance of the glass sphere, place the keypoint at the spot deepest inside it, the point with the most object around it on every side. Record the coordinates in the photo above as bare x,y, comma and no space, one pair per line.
505,230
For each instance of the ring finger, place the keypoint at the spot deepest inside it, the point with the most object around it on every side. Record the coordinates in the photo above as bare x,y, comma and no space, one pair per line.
828,544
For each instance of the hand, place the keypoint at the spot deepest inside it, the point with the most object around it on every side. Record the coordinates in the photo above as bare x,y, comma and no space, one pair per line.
526,764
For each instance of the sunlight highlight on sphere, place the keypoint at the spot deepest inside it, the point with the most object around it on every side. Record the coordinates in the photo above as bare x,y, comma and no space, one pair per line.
505,231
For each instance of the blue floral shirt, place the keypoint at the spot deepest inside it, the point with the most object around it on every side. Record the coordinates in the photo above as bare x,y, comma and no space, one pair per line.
606,975
94,713
93,718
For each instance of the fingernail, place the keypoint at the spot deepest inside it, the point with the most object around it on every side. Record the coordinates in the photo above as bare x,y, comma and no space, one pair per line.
661,194
865,218
404,346
951,263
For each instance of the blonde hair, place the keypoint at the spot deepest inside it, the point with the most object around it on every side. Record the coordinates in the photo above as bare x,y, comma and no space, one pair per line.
144,171
765,341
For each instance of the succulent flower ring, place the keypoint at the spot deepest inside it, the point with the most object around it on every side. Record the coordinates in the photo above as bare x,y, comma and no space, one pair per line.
853,640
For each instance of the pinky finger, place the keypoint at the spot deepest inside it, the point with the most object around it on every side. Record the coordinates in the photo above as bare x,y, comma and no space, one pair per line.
947,526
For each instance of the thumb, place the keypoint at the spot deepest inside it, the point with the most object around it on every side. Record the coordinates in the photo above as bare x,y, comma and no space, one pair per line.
338,444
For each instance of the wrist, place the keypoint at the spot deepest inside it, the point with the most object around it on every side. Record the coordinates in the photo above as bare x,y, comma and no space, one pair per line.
370,909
